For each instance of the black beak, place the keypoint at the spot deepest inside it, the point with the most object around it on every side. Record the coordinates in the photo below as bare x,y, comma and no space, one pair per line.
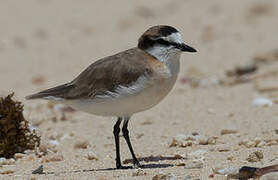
185,48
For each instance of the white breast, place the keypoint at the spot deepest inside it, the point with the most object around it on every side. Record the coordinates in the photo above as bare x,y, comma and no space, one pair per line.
145,93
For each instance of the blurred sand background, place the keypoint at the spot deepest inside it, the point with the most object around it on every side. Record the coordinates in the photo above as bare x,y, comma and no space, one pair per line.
44,43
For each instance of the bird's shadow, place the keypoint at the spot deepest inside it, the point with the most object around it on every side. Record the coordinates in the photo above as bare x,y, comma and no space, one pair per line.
128,161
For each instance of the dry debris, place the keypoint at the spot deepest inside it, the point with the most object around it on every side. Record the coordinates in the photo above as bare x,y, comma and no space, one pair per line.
164,176
255,156
6,172
139,172
15,134
242,70
53,158
228,131
258,142
182,140
91,156
81,144
4,161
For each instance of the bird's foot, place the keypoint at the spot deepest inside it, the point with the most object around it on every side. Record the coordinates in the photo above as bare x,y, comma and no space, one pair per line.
136,164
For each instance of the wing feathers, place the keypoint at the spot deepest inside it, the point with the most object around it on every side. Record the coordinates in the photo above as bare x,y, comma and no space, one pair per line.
57,91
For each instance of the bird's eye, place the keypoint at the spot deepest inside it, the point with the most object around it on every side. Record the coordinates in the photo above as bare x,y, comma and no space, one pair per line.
163,42
167,43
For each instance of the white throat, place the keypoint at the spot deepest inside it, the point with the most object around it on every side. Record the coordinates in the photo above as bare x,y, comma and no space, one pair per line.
169,56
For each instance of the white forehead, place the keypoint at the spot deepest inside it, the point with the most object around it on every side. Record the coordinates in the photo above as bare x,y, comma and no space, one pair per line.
174,37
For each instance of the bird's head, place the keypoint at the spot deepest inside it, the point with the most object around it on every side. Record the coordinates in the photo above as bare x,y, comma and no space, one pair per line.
162,39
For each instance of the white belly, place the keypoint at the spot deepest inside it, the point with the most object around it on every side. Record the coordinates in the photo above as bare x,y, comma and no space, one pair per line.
126,104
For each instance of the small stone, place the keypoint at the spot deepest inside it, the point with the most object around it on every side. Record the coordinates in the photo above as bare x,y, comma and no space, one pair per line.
28,152
212,140
255,156
182,140
92,156
53,158
180,164
262,102
225,171
247,143
4,161
211,111
228,131
194,165
43,149
7,172
202,140
53,142
30,157
257,140
260,144
164,176
18,155
223,148
81,144
271,142
139,172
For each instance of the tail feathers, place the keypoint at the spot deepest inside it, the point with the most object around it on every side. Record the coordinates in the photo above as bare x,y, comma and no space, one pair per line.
58,92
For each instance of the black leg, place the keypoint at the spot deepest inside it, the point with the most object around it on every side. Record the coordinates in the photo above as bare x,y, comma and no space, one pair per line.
126,136
116,132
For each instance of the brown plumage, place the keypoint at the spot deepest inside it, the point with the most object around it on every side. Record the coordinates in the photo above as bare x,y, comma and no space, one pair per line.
104,75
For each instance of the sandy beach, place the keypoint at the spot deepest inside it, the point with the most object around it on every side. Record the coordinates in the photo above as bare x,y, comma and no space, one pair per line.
215,117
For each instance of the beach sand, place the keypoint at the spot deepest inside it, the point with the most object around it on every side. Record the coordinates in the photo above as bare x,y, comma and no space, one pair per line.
44,43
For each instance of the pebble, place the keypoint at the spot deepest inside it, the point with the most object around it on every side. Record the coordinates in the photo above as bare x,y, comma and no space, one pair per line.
18,155
4,161
212,140
164,176
249,143
255,156
228,131
182,140
7,172
91,156
81,144
262,102
223,148
194,165
53,158
139,172
53,142
225,171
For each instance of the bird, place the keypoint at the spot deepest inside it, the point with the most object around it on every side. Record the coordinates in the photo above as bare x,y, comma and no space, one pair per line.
126,83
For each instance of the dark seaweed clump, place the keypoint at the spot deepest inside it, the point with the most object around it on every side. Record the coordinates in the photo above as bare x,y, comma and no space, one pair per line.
15,136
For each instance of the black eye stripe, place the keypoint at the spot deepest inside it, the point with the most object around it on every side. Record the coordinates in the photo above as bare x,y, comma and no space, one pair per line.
166,43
